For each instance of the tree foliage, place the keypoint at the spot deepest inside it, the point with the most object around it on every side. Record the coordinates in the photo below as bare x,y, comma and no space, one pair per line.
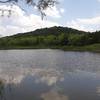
41,5
51,37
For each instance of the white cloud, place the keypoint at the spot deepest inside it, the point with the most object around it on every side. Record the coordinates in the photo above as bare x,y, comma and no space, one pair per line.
98,0
62,10
19,22
54,12
88,24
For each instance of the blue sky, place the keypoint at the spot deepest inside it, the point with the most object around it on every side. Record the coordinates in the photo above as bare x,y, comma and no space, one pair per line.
81,14
78,14
80,9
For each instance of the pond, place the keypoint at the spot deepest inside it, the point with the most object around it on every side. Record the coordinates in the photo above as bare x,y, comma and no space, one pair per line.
47,74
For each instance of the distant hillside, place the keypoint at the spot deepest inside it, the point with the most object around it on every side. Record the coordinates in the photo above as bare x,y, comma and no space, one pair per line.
51,31
54,37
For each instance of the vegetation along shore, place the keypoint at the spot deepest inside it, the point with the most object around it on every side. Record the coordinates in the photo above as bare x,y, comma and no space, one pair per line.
53,38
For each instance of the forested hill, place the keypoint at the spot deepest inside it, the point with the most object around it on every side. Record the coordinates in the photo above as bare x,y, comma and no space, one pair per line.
54,37
51,31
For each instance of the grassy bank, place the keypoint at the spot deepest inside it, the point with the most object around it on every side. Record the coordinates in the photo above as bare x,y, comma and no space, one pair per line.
91,48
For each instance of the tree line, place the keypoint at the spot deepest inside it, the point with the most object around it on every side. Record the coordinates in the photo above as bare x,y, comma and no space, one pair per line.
61,37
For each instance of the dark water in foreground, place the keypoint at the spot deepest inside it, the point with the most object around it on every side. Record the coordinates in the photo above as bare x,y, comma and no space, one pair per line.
49,75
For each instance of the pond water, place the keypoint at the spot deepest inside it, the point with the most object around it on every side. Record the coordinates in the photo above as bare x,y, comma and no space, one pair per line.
49,75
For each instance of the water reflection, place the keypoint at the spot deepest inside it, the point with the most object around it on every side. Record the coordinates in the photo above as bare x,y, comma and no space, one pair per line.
1,90
52,95
49,75
74,86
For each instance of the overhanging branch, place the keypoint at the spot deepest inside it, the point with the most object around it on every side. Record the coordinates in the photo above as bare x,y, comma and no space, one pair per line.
7,1
40,4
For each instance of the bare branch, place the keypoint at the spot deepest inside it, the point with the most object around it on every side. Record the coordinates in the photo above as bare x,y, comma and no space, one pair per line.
8,1
41,4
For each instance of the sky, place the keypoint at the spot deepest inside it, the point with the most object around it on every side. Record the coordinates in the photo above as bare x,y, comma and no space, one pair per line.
78,14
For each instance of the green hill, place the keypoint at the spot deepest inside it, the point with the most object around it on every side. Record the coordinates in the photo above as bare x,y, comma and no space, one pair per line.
54,37
50,31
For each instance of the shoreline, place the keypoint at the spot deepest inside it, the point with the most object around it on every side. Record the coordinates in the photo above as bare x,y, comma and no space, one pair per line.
88,48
